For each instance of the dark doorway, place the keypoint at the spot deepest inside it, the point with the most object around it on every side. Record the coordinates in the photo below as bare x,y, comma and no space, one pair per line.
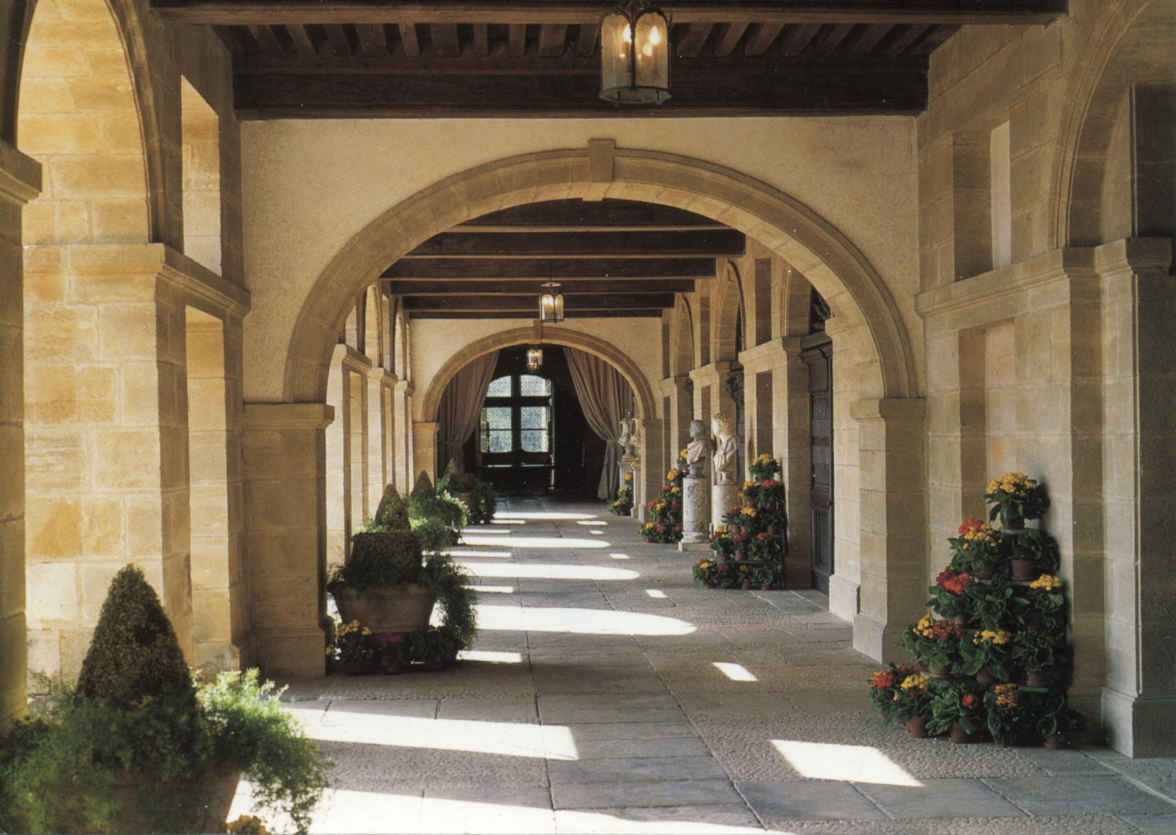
818,356
532,438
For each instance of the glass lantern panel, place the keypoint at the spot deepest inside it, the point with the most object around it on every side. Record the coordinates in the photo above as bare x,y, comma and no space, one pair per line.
653,54
616,68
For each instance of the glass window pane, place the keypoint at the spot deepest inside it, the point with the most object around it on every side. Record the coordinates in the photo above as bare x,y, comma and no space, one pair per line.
497,417
534,440
499,441
532,386
499,388
534,417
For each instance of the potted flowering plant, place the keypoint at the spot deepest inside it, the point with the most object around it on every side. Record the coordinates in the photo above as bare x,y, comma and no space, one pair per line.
1045,605
976,550
352,649
1042,654
986,656
623,505
1015,497
992,603
884,684
936,643
715,572
1004,715
955,709
947,595
1033,552
912,703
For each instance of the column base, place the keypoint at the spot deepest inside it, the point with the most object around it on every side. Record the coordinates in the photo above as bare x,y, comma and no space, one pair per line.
694,547
878,640
843,597
1139,726
291,655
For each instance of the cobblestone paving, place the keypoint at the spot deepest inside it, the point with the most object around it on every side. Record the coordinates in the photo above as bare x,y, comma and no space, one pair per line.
607,693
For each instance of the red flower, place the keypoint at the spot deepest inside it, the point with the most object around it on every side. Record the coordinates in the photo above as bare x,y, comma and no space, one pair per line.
957,584
677,527
771,482
969,525
761,536
661,528
969,701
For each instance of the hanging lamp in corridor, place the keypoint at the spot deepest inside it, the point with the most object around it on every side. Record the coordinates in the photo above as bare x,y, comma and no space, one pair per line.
534,358
635,55
551,303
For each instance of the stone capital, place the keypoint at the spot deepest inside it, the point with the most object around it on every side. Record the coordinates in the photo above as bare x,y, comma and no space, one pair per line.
677,384
403,387
765,356
1133,255
20,176
888,409
280,416
711,375
353,360
425,429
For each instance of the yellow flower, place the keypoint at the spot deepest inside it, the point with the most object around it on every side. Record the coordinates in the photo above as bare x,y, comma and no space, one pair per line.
999,637
676,490
916,682
672,474
367,631
682,452
720,528
992,485
1049,582
748,511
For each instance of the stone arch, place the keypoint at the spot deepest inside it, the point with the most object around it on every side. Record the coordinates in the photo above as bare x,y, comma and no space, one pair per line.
783,224
726,304
682,338
643,393
1095,96
92,124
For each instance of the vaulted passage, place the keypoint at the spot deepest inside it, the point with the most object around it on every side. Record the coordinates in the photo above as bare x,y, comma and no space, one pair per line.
606,693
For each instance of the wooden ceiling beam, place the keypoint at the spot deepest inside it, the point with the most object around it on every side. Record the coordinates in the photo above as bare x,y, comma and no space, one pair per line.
266,39
729,37
654,313
696,34
434,269
530,302
870,37
586,39
830,38
951,12
372,40
409,40
784,89
552,37
905,39
337,38
517,34
445,42
481,45
608,214
760,39
712,243
798,38
479,287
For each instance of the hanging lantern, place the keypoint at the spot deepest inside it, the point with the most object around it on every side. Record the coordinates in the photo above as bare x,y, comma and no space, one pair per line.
635,56
534,358
551,303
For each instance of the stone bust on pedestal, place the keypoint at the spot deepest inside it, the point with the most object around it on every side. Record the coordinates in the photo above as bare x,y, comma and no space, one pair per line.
698,448
726,447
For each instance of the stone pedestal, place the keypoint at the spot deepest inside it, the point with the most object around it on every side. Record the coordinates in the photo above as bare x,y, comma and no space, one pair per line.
723,498
695,519
629,465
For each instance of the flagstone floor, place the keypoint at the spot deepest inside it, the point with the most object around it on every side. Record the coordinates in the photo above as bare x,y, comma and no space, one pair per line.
608,693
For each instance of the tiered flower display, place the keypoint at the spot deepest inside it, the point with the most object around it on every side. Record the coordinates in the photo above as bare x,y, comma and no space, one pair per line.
994,638
664,514
750,544
623,505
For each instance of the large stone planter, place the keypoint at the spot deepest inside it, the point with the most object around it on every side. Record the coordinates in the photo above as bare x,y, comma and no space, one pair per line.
384,609
138,795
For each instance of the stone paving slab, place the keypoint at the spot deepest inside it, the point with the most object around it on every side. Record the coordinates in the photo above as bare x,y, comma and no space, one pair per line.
807,800
679,746
635,769
733,819
950,798
662,793
1076,793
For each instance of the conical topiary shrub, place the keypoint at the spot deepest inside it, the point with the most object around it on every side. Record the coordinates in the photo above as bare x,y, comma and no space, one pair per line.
392,514
423,486
134,652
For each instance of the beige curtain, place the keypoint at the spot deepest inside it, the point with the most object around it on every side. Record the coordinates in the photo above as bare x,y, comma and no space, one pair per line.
605,398
461,406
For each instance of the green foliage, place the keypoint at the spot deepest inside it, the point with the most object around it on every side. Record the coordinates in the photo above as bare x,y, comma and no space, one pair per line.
134,653
1038,547
249,728
392,513
952,702
379,559
450,583
427,508
751,542
478,497
423,486
623,504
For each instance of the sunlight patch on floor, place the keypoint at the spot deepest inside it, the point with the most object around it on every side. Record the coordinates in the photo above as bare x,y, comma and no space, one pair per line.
492,656
507,739
620,556
595,523
493,589
553,515
656,594
652,820
735,672
548,571
465,552
528,542
848,763
579,621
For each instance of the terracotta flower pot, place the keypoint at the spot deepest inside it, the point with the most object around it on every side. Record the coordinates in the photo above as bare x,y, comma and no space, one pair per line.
1055,743
959,735
985,678
1023,569
984,573
939,672
916,727
1038,678
961,619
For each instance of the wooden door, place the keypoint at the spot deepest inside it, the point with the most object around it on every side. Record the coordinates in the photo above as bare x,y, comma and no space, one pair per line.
820,365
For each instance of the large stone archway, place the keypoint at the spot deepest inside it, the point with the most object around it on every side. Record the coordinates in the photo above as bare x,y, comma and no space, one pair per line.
885,498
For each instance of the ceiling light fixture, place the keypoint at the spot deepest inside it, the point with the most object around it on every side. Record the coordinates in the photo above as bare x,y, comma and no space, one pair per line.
551,303
534,358
635,55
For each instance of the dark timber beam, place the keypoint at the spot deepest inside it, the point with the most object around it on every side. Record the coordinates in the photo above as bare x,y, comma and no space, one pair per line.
530,303
711,243
952,12
482,287
532,314
581,214
807,88
433,269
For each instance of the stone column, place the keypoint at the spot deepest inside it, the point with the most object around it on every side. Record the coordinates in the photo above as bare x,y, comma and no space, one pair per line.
424,453
285,510
402,435
695,514
1139,483
20,181
893,516
681,397
650,468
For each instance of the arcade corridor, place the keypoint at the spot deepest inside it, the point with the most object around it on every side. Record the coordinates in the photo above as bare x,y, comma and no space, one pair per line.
607,693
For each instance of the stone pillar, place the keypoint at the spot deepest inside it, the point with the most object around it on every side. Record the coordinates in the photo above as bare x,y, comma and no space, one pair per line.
792,444
337,466
424,454
678,390
402,435
1139,483
377,423
695,514
893,500
285,504
650,468
20,181
723,497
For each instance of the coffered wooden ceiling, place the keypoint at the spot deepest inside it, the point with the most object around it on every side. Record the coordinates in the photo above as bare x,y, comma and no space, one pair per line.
611,257
354,58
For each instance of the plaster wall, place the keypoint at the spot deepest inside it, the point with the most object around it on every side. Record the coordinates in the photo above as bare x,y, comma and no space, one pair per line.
311,185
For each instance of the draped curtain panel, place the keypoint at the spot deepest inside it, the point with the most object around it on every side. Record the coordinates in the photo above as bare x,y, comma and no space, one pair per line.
605,398
461,406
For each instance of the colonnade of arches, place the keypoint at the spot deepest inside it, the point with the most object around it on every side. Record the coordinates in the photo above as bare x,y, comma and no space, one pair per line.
129,435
